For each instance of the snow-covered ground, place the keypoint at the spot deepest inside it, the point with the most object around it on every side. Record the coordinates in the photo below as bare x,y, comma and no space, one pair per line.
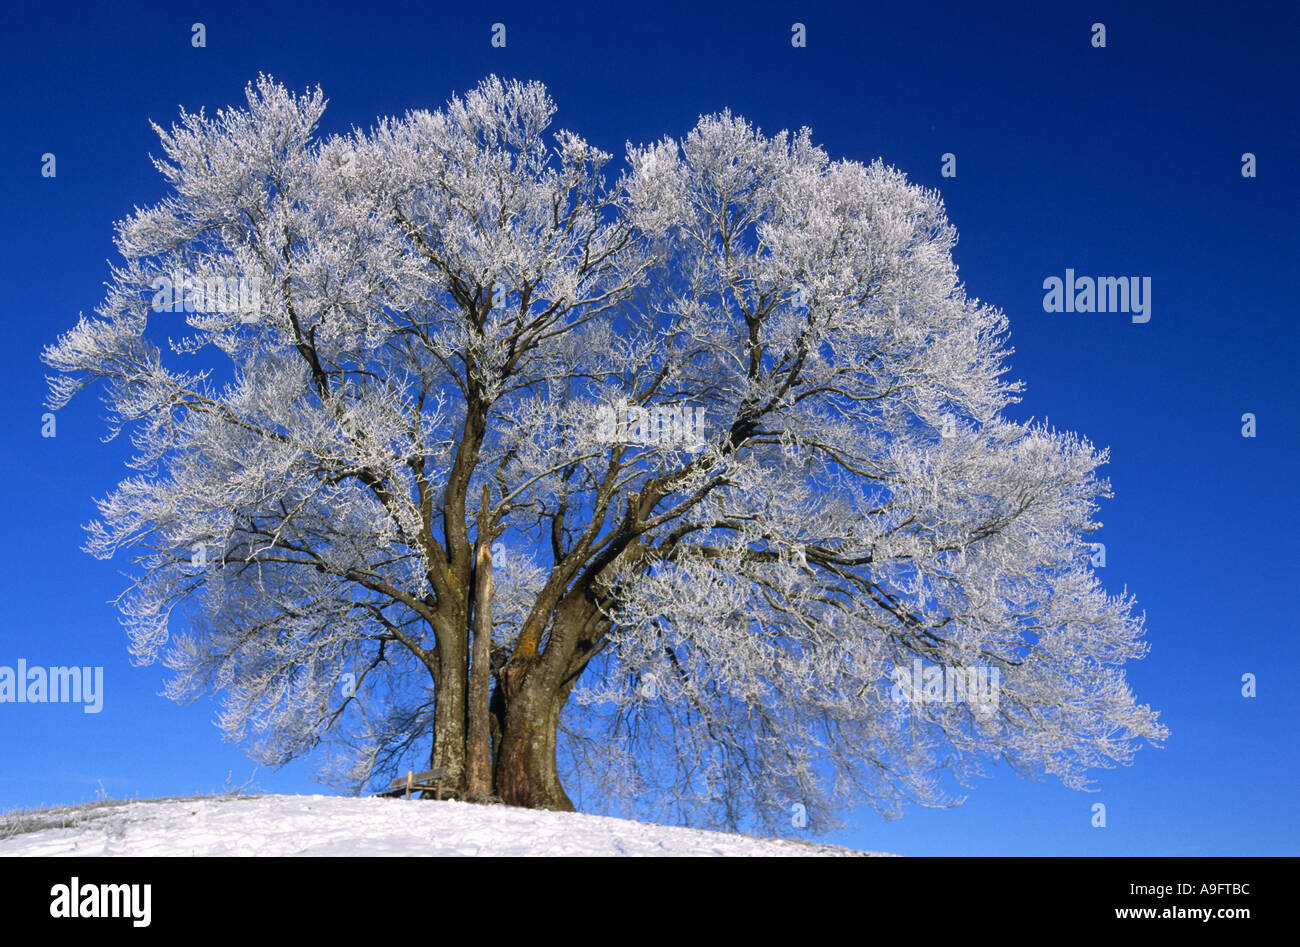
334,825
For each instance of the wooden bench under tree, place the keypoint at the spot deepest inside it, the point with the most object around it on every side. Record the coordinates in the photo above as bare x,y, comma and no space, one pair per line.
428,781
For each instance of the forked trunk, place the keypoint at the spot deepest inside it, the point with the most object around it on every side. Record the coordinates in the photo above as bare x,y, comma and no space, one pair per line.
501,745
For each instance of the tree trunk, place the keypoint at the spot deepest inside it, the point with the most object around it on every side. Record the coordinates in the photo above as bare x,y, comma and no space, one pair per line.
449,714
501,743
527,773
478,748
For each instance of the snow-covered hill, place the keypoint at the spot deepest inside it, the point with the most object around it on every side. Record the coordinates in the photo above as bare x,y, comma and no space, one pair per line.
333,825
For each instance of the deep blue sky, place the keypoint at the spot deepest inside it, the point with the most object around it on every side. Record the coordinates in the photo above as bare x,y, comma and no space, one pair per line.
1117,161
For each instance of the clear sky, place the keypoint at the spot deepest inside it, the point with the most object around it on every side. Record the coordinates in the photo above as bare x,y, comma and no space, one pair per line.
1117,161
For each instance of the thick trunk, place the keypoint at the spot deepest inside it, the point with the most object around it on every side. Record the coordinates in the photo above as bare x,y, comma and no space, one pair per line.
534,688
502,743
527,774
449,714
509,750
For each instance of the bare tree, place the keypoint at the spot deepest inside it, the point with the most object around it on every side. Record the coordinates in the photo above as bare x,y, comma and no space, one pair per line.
729,418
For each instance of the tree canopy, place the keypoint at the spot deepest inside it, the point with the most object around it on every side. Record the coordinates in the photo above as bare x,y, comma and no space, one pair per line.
705,452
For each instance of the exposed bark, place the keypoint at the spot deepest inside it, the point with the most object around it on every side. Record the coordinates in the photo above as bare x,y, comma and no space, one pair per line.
449,715
478,749
527,771
536,686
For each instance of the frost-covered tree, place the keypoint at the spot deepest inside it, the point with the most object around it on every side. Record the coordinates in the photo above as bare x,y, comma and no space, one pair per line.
450,440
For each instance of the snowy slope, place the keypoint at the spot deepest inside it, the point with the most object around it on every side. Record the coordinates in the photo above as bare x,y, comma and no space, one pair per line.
334,825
